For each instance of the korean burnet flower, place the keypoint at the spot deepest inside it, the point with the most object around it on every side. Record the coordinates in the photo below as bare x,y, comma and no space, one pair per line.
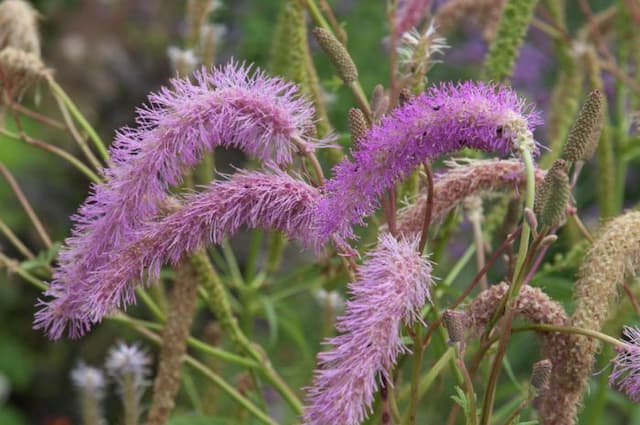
229,107
272,200
442,120
392,286
626,365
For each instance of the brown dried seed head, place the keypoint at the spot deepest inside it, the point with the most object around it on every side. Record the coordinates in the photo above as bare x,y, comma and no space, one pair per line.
357,124
540,374
584,134
19,26
454,323
19,69
337,54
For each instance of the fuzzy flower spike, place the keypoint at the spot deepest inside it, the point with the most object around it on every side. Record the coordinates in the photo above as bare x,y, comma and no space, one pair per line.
228,107
626,365
446,118
271,200
392,286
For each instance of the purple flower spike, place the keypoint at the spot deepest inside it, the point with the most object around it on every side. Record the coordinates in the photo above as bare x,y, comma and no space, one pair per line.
227,107
444,119
392,287
252,199
626,365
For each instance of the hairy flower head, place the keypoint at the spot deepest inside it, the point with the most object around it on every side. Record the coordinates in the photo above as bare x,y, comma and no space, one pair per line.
626,365
228,107
253,199
392,286
446,118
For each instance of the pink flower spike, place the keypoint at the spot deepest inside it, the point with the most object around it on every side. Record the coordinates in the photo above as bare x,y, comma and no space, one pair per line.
392,286
253,199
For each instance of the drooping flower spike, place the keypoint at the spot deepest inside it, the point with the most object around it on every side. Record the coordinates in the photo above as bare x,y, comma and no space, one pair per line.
626,365
229,107
253,199
446,118
392,286
461,179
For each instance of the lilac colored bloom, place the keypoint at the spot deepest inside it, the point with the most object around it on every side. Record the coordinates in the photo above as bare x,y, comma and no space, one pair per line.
626,365
444,119
253,199
227,107
392,286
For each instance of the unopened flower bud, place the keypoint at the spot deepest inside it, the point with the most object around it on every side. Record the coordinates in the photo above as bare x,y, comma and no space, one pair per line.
338,55
553,194
453,322
357,124
584,134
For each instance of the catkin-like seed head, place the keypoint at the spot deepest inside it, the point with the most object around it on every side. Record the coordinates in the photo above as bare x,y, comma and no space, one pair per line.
338,55
584,134
553,195
357,124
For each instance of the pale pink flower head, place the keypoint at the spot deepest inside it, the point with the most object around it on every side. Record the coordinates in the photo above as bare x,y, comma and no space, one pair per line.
393,285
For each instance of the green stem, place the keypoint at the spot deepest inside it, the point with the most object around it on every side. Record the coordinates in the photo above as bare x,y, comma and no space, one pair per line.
59,91
526,230
14,266
56,151
415,375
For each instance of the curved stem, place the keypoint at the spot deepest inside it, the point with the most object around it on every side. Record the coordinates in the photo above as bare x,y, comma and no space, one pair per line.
25,205
93,135
56,151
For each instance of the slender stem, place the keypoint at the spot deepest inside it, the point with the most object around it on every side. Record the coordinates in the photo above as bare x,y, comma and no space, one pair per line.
468,383
130,400
14,267
415,376
476,223
512,294
355,87
424,237
516,412
194,343
54,150
15,241
572,330
529,169
583,229
25,205
93,135
215,378
155,310
434,324
76,135
38,117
